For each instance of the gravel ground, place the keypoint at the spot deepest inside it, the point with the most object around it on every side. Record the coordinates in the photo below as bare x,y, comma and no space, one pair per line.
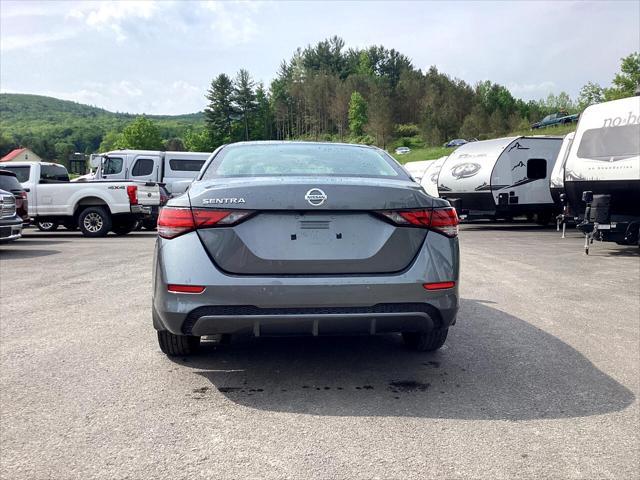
539,378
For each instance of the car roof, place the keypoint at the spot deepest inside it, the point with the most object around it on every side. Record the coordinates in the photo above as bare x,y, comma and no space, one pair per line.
7,172
299,142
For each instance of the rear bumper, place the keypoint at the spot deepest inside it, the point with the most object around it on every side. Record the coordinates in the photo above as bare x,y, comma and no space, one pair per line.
302,305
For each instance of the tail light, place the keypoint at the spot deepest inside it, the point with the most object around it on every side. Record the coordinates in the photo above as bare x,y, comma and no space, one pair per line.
132,192
175,221
442,220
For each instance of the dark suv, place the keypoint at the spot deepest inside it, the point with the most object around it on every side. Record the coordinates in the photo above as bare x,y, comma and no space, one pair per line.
9,182
10,222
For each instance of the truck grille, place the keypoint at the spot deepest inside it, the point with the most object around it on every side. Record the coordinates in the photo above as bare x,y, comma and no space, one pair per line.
7,206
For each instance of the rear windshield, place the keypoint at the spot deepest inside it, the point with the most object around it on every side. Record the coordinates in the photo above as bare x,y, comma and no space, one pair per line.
299,159
21,172
53,174
610,143
9,183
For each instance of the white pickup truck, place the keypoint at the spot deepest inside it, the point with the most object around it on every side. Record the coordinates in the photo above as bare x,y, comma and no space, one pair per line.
176,170
95,207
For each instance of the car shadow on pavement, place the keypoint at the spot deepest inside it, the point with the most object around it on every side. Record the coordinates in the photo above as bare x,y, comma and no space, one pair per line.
493,366
27,253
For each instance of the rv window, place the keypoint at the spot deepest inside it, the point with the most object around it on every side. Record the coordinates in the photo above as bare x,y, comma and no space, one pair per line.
143,167
536,168
186,165
112,165
610,143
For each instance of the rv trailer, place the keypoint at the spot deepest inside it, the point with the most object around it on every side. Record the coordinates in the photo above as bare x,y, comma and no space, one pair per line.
417,169
602,172
501,178
557,185
430,177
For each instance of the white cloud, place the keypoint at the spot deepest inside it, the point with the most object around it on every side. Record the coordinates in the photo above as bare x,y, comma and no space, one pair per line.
16,42
533,90
233,22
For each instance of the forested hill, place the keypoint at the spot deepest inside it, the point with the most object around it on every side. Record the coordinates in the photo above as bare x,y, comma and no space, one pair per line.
18,107
54,128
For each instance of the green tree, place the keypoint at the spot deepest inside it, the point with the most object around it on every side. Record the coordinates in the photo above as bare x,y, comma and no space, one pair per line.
199,140
220,111
111,141
174,144
627,81
141,134
357,114
590,94
244,99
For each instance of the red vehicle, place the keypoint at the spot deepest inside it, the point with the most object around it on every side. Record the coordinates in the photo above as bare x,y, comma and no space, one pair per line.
10,183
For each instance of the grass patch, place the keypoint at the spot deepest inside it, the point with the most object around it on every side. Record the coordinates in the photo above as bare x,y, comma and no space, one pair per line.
553,130
424,153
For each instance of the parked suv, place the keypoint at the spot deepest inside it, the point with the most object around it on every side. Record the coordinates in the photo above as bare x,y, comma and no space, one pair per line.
10,221
9,182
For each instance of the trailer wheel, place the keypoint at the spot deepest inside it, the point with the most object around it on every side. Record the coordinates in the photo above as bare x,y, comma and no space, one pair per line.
425,341
46,225
122,226
94,222
173,345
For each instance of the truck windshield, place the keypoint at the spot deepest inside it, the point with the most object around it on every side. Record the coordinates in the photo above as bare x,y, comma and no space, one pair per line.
22,173
610,143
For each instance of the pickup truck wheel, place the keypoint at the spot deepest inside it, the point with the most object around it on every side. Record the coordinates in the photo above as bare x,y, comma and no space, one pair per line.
124,226
94,222
425,341
173,345
46,226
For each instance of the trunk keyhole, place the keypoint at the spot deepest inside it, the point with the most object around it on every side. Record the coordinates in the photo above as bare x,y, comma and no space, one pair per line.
339,236
294,237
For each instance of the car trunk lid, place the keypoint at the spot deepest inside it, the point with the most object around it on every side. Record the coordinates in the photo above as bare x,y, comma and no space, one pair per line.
311,226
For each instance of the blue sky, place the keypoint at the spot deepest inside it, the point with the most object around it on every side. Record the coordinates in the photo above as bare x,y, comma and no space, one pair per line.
159,56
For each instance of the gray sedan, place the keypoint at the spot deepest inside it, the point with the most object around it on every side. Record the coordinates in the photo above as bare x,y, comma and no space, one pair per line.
296,238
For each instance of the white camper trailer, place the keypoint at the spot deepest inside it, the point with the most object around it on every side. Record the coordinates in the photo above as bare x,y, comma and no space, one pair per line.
557,175
417,169
602,173
430,177
501,178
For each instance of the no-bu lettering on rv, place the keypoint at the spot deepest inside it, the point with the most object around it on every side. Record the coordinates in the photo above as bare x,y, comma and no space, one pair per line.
501,178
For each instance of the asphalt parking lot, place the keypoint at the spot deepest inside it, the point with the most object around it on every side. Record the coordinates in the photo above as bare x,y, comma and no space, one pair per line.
539,378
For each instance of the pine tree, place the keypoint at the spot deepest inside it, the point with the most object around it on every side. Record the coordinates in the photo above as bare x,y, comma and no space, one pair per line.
244,99
220,111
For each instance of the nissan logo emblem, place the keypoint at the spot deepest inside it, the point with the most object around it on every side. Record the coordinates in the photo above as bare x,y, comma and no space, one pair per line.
465,170
315,197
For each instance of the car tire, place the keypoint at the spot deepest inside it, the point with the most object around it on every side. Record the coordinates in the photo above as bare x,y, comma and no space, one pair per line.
150,223
46,226
94,222
176,345
124,226
425,341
